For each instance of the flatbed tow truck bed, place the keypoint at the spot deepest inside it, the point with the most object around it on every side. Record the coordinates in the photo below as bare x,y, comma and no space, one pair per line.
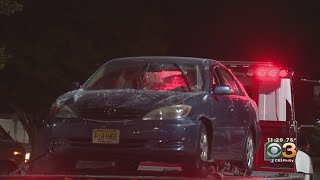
158,173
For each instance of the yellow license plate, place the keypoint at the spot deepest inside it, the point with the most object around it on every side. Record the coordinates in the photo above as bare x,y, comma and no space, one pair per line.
106,136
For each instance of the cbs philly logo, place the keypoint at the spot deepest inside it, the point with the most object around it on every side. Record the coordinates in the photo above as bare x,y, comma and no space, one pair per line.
280,152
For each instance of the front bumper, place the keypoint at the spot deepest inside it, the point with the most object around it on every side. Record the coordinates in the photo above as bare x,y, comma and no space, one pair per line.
166,141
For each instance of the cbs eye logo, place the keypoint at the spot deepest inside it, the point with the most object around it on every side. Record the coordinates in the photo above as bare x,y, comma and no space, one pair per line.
275,150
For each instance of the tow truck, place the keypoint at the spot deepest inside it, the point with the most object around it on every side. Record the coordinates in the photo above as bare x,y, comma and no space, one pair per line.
278,156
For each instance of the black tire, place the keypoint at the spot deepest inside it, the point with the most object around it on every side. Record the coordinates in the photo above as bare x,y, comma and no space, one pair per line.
247,161
197,166
51,166
128,165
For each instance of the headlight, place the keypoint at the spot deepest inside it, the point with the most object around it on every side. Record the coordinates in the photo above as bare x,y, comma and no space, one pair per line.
169,112
62,111
65,112
61,101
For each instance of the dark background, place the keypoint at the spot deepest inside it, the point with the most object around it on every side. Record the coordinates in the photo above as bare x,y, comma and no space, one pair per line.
50,44
282,31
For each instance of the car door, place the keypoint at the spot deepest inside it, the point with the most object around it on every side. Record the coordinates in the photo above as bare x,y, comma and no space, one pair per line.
222,113
237,125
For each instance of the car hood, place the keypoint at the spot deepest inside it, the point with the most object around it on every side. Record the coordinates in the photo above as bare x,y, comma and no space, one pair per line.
128,99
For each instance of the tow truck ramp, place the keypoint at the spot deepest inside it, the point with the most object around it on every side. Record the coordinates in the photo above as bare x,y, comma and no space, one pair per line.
159,173
115,177
258,176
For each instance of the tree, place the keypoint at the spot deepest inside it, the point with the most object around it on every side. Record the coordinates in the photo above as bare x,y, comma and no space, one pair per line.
4,57
58,42
9,7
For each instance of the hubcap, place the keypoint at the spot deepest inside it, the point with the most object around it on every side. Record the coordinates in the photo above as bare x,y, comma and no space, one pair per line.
249,152
204,146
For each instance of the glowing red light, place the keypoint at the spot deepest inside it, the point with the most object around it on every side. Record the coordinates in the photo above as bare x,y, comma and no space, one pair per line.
250,72
267,72
283,73
273,72
261,72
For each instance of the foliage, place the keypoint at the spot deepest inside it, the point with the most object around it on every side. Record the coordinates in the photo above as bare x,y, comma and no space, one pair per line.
4,56
55,43
9,7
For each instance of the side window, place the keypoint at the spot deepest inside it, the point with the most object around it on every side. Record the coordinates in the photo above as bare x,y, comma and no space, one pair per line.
214,78
227,79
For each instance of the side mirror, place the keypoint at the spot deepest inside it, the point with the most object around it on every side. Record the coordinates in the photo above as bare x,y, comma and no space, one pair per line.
75,85
221,90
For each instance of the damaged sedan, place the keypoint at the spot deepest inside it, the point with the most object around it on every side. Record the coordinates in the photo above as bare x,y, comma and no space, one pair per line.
191,111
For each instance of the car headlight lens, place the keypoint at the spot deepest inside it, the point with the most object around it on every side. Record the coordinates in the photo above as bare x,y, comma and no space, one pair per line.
168,112
62,111
65,112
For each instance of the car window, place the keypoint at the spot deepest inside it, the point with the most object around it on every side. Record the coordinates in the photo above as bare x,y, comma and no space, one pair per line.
214,78
181,77
227,79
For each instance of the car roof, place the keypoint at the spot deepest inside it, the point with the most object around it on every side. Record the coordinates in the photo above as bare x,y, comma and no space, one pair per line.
245,63
164,59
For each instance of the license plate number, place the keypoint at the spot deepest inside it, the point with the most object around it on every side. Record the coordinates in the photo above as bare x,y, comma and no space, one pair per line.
106,136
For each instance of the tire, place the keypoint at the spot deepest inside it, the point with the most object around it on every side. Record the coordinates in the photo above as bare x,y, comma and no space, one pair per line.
247,161
197,166
51,166
128,165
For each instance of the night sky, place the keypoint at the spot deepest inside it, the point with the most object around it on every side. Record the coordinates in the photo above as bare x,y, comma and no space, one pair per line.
50,39
286,32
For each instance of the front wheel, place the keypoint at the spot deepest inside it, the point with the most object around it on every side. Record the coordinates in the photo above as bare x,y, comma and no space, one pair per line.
248,153
197,165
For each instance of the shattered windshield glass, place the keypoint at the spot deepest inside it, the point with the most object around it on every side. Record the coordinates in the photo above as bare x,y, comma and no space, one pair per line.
151,76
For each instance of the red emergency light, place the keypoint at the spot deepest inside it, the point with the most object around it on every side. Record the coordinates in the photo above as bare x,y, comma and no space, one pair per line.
268,72
283,73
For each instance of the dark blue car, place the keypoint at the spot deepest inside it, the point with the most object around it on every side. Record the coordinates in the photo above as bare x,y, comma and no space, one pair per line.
168,109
